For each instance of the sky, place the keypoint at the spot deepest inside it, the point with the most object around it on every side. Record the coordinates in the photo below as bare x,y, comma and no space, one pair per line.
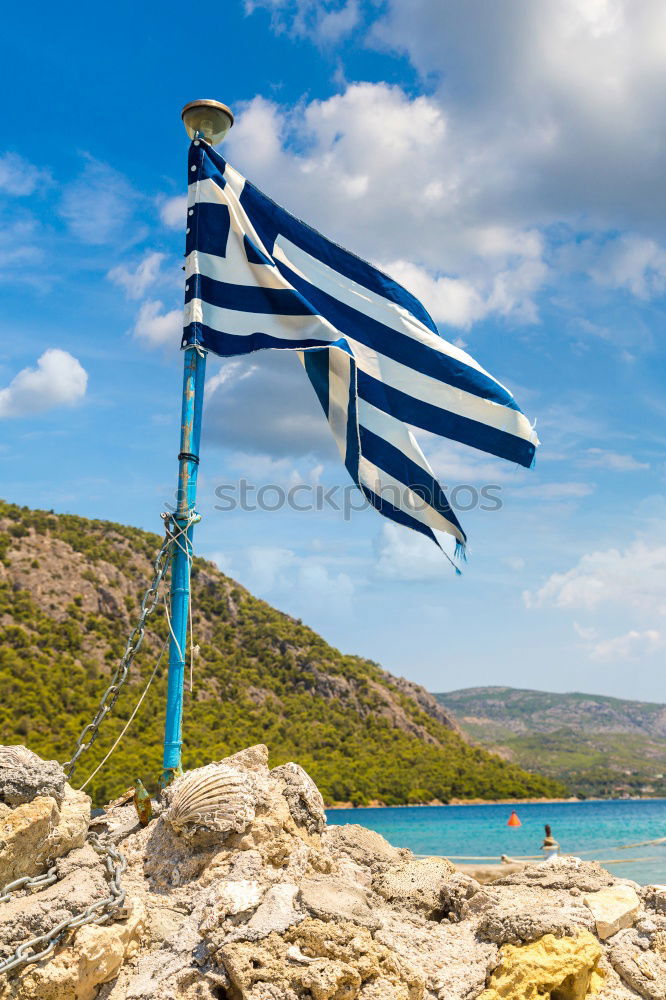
505,162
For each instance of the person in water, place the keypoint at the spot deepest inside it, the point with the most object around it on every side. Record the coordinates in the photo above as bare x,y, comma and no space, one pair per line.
550,846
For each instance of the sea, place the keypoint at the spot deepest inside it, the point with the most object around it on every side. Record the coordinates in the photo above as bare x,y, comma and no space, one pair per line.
598,830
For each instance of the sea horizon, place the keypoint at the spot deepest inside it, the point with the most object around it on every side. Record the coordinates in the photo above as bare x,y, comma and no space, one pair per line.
497,802
611,831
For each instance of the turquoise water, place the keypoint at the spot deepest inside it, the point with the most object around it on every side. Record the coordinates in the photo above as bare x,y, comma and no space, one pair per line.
593,829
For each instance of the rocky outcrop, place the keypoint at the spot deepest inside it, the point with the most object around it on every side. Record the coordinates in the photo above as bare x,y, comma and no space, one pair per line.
76,972
638,956
416,885
34,834
566,968
303,797
613,909
237,890
427,702
322,960
363,847
40,827
24,776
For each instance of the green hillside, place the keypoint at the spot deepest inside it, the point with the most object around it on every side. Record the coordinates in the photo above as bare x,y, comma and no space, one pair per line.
69,593
597,745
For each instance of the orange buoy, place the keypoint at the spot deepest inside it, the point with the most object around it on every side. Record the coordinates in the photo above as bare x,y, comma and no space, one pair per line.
513,819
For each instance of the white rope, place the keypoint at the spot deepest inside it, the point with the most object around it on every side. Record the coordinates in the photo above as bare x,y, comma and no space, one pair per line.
173,634
129,721
187,552
175,536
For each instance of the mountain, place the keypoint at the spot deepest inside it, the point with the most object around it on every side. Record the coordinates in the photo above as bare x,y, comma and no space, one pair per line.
596,745
69,596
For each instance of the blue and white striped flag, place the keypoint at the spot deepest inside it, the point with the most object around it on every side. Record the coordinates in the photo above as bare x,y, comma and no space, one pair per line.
258,278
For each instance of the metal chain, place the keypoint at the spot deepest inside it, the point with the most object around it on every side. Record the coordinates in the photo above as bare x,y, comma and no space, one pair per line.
110,696
96,913
38,882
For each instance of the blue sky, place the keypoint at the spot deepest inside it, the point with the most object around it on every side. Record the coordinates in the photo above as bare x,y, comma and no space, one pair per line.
506,165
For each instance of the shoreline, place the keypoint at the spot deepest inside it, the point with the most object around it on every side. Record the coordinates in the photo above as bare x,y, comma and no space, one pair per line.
488,802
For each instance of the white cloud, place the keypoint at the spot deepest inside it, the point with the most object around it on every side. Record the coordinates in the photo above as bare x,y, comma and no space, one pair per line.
267,566
173,212
286,416
57,380
456,464
456,302
230,372
136,282
634,263
20,253
560,94
325,21
334,25
404,555
631,646
631,578
600,458
261,469
450,300
300,580
157,327
587,632
377,171
99,204
18,177
536,117
555,491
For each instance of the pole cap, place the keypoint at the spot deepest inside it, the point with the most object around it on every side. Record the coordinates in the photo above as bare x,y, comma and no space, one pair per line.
209,119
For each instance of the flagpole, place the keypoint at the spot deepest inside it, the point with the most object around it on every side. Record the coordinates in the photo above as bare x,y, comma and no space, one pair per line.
205,121
184,520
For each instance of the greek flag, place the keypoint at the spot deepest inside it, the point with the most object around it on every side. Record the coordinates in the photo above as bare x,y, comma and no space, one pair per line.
257,277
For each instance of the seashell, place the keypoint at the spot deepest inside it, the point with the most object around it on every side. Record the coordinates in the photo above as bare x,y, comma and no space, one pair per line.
214,798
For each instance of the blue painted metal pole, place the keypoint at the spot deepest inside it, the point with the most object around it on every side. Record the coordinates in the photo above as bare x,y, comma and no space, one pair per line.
190,434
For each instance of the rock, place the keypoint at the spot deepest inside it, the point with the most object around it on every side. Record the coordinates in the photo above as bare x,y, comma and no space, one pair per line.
566,968
168,972
24,834
37,832
72,828
251,759
640,961
416,884
562,873
655,898
345,958
486,874
613,909
277,907
364,847
81,881
480,902
75,972
457,892
337,901
117,823
525,918
276,913
232,897
24,776
303,797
